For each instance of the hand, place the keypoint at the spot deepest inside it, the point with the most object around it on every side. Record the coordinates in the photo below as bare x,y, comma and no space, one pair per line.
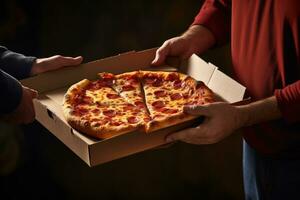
52,63
221,120
24,113
196,39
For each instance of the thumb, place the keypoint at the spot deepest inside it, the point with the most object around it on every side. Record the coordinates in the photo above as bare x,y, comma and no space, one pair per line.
196,110
34,93
161,55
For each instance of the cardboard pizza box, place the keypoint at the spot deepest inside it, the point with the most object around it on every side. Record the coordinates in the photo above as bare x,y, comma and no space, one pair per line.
53,85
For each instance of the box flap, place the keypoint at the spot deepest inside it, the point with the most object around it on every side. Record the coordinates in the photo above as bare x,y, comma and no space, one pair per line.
198,68
224,86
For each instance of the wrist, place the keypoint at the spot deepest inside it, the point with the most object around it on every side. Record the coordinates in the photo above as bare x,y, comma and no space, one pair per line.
36,69
259,111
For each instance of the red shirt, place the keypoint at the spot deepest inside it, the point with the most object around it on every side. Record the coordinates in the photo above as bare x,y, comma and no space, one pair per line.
265,50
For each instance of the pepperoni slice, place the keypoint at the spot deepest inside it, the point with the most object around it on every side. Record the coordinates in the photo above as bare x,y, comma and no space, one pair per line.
133,80
96,111
115,123
149,79
177,84
87,100
132,120
157,83
109,113
186,95
170,111
112,96
127,88
128,107
158,104
83,110
139,104
160,93
172,77
176,96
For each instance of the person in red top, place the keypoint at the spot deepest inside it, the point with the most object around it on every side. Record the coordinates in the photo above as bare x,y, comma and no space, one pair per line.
265,49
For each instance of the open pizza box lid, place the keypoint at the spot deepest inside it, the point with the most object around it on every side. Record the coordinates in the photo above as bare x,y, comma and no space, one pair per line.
53,85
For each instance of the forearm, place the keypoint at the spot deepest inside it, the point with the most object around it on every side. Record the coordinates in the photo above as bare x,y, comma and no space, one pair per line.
15,64
200,37
259,111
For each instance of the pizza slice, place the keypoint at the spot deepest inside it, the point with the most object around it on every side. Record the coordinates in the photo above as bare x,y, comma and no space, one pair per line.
166,93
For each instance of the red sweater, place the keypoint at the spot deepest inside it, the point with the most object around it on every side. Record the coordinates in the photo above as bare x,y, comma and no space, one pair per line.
265,49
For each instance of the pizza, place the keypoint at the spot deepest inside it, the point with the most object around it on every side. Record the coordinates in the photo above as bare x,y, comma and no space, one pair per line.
138,100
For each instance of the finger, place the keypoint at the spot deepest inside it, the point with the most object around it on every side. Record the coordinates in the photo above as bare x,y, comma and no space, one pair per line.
69,61
161,54
196,110
181,135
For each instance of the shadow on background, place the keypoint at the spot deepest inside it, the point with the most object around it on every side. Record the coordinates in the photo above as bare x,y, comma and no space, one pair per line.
46,169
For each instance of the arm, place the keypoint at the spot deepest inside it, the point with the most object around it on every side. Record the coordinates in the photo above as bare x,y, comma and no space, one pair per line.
222,119
16,103
15,64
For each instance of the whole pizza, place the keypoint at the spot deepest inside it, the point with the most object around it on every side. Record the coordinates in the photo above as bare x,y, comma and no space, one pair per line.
138,100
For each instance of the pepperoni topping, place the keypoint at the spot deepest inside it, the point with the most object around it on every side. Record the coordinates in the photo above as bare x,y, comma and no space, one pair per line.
173,77
127,88
149,80
128,107
170,111
139,104
132,120
87,100
115,123
186,95
158,104
176,96
109,113
107,79
160,93
96,111
112,96
177,84
157,83
82,110
107,76
133,81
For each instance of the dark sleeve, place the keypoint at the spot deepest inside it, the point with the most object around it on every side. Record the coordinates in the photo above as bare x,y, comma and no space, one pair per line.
215,15
12,66
15,64
11,93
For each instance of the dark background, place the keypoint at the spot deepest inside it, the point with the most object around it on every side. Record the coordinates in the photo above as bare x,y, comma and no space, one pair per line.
36,165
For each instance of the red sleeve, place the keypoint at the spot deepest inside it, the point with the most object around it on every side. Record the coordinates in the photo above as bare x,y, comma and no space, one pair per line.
288,100
216,16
